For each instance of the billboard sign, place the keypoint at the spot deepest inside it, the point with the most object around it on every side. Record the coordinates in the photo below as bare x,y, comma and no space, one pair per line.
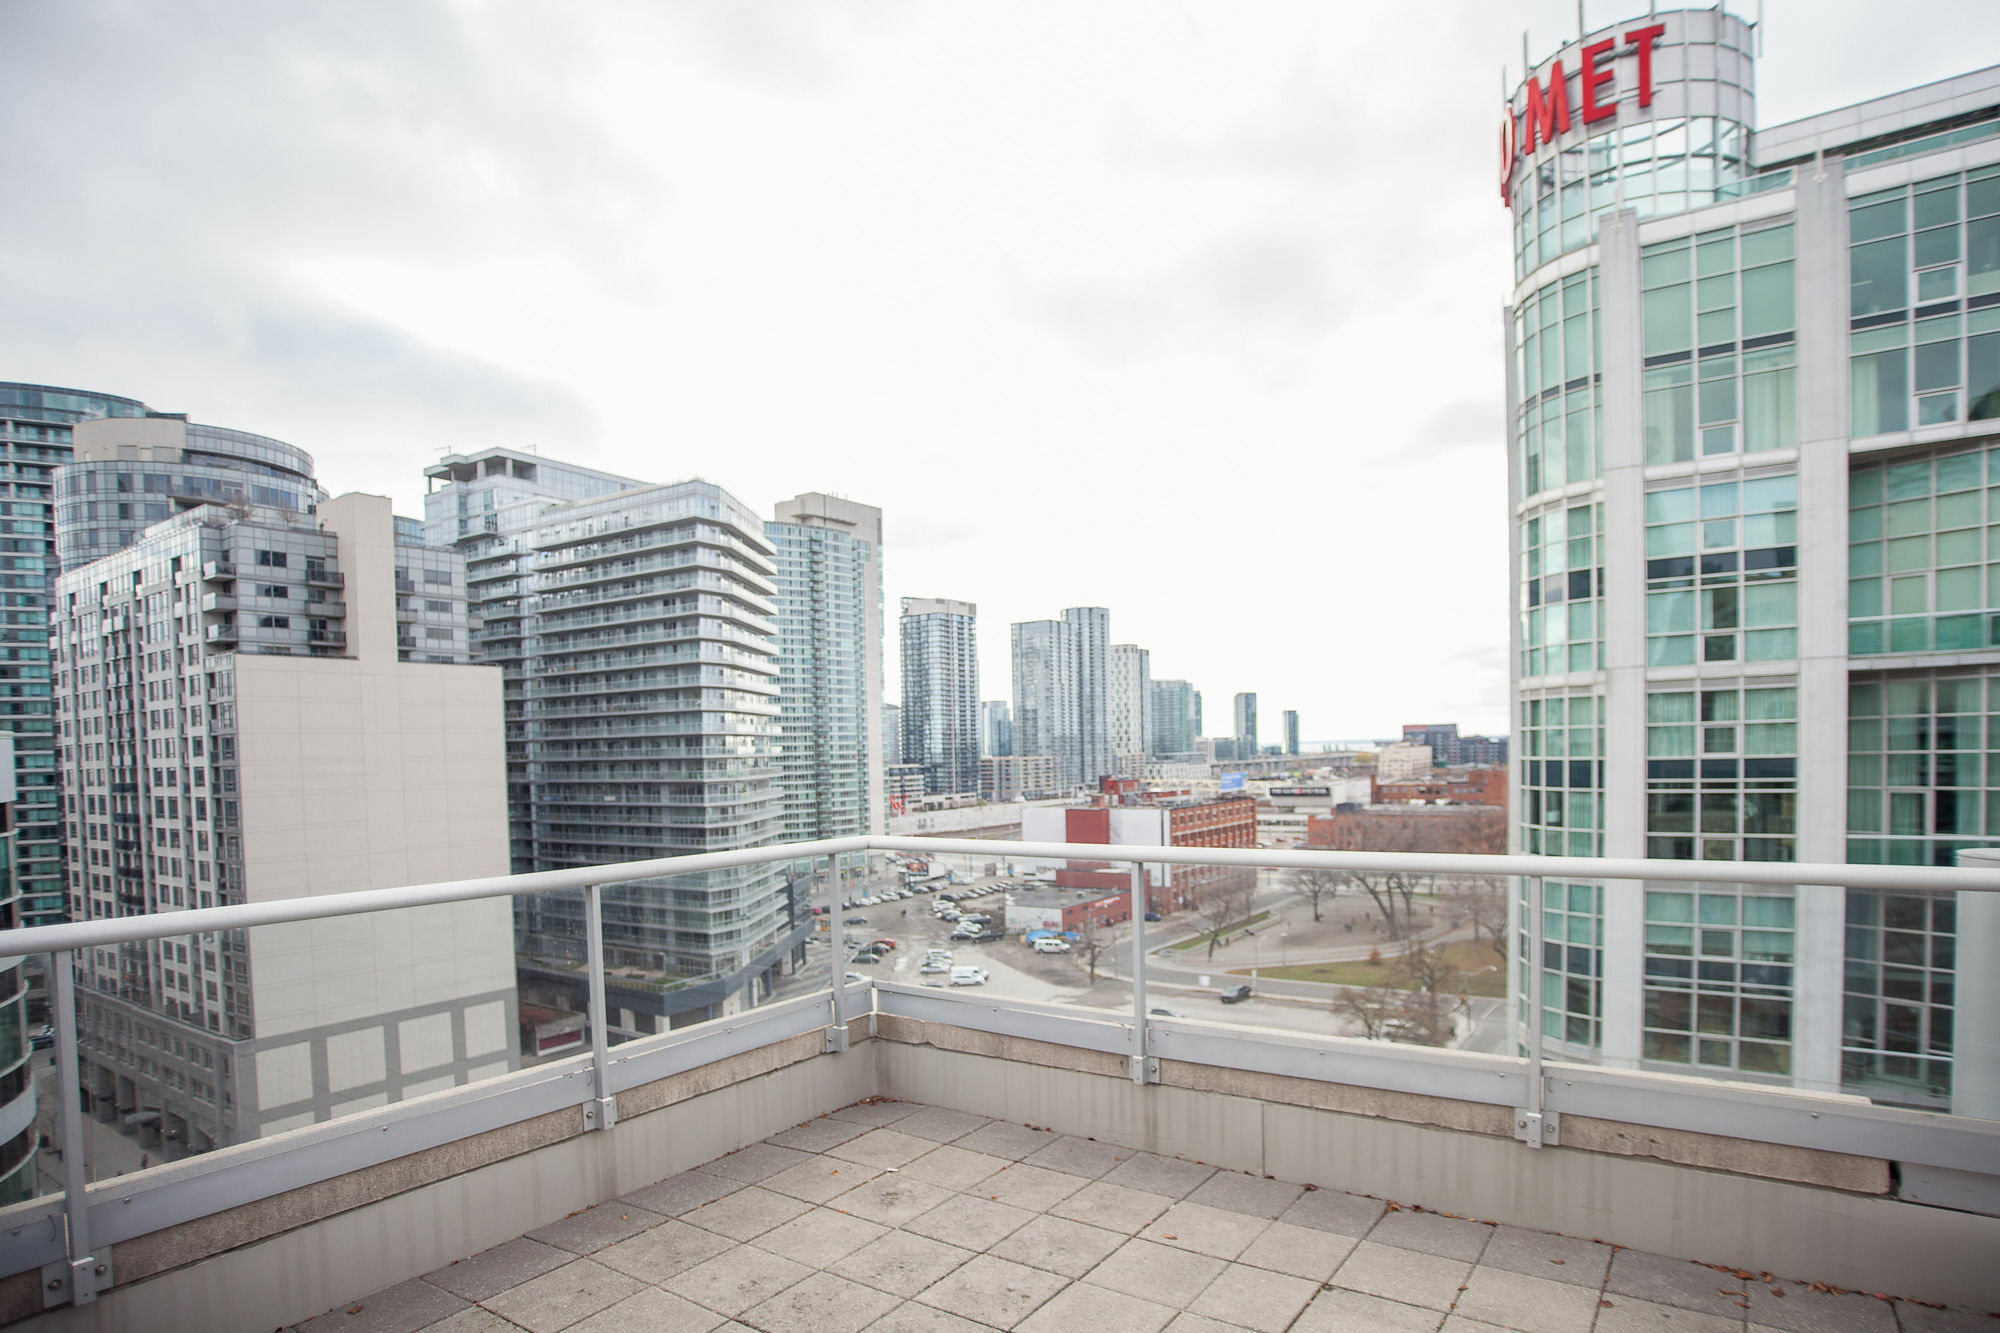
1232,782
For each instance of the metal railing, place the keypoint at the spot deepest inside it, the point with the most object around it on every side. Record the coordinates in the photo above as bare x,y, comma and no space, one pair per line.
231,1176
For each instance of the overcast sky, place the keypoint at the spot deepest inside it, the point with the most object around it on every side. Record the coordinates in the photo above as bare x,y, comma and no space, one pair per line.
1187,310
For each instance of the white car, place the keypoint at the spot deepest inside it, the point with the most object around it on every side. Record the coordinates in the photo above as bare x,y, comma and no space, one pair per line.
935,967
1050,944
968,976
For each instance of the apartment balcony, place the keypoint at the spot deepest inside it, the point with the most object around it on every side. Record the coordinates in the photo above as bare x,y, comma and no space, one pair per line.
896,1155
217,571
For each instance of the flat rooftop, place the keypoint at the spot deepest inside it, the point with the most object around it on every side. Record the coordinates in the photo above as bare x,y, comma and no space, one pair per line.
898,1216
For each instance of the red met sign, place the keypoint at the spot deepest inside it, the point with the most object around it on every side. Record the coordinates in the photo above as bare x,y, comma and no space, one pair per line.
1547,112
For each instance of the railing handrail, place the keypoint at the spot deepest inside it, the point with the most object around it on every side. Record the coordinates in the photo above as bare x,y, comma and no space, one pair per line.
202,920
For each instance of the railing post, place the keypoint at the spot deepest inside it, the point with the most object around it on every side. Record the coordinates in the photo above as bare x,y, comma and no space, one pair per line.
1975,1074
836,1032
1533,1125
601,1111
1143,1068
74,1281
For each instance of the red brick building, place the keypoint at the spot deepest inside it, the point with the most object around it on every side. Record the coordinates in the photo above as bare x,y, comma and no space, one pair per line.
1454,786
1412,828
1125,814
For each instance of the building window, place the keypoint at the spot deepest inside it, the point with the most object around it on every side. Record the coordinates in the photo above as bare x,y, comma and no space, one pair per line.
1718,991
1722,774
1899,1001
1917,539
1558,424
1917,769
274,622
1721,571
1561,590
1572,961
1919,258
1562,775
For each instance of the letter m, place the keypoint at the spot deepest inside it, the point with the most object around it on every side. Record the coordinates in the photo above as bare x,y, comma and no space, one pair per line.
1548,113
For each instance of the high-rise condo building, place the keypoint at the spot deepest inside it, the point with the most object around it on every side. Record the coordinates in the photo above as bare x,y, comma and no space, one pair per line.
17,1085
633,625
36,422
238,724
1062,703
1129,692
940,640
828,557
1246,726
996,729
1176,717
1291,731
892,735
1753,378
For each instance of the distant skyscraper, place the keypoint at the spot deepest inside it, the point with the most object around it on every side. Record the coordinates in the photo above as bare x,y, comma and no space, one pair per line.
892,735
1291,731
1198,731
1061,704
941,692
1246,726
288,768
1130,694
17,1086
829,582
1175,720
996,729
634,624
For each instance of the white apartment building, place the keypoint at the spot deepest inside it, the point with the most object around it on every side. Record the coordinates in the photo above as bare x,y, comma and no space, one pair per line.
236,724
1130,695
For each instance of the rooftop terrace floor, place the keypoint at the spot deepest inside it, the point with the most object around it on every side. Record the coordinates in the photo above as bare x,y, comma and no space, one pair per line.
901,1217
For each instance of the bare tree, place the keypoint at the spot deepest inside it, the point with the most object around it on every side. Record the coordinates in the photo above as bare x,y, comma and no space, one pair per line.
1223,900
1316,884
1451,829
1483,901
1372,1008
1093,938
1413,1003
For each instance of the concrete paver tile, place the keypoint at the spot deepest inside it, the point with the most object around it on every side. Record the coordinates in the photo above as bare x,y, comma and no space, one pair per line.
1403,1275
993,1291
970,1222
890,1199
669,1248
1156,1272
1236,1192
1079,1157
1458,1323
1032,1187
883,1148
818,1179
1001,1139
1629,1314
818,1135
1796,1308
1212,1231
941,1125
820,1238
1158,1175
1059,1245
557,1299
737,1279
1447,1237
1255,1298
953,1167
1664,1281
499,1268
1336,1211
1299,1251
473,1319
591,1230
1113,1207
746,1214
1916,1318
1515,1300
403,1308
682,1193
876,1113
1098,1310
1358,1312
1581,1263
1194,1323
650,1310
910,1317
900,1263
822,1303
755,1162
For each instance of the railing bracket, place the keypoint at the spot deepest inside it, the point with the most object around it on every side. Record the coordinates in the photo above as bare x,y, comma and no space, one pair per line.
600,1113
1538,1129
836,1038
84,1277
1145,1069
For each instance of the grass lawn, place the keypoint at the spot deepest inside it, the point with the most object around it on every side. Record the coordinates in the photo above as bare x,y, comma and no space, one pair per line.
1201,941
1464,955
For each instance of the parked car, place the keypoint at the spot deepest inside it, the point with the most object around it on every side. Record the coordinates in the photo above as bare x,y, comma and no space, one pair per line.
883,944
968,976
866,957
1152,916
854,921
1236,994
935,967
989,936
44,1038
1050,944
1164,1012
